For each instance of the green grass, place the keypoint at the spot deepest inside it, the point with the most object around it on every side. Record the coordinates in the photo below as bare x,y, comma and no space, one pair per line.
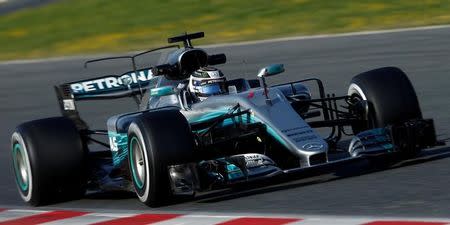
73,27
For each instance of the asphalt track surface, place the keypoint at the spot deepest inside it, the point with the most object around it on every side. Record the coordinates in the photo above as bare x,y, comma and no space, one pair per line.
420,189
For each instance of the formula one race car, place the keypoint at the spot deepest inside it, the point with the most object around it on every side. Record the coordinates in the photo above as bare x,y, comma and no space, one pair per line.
179,145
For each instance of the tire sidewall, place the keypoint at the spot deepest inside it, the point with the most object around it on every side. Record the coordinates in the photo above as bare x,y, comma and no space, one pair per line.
355,89
143,193
27,194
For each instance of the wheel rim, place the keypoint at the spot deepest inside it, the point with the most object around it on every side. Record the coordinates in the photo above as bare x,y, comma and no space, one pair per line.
21,167
137,162
357,94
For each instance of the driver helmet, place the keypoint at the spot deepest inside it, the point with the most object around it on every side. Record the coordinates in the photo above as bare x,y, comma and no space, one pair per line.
207,81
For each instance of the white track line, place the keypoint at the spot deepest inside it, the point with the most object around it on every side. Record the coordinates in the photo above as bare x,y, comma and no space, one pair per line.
89,219
196,220
64,58
320,36
18,213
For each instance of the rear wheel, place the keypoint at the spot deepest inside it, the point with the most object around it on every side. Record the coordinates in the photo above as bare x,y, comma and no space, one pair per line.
157,140
48,161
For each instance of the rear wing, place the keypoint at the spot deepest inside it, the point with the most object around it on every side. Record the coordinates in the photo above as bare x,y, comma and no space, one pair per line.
129,84
110,87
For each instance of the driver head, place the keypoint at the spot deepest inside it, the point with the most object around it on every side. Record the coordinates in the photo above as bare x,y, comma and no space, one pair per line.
207,81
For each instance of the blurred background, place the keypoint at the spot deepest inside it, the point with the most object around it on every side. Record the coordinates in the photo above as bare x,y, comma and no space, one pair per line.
47,28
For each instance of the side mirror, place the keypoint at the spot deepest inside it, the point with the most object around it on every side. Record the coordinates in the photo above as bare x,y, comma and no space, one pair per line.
267,72
162,91
271,70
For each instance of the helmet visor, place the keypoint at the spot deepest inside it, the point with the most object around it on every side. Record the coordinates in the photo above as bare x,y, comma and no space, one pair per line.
212,89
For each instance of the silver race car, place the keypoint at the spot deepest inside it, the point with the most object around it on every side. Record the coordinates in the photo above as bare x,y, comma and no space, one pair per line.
178,144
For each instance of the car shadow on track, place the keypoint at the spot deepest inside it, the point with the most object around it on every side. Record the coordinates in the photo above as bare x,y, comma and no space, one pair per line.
345,171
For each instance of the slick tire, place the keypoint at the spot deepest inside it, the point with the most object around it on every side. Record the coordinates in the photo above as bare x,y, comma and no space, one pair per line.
49,161
391,99
157,140
390,95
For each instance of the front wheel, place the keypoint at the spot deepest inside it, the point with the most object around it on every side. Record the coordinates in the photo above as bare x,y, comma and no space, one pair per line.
390,99
157,140
390,96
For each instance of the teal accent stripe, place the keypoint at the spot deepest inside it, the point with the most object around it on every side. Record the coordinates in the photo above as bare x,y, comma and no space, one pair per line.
18,149
133,170
270,130
234,172
243,118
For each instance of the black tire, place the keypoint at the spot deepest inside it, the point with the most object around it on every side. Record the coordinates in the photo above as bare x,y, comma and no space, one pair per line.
390,95
163,138
48,161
